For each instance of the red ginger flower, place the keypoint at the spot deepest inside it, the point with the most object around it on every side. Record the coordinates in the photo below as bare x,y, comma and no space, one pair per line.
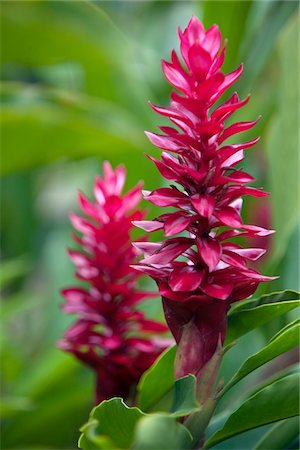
200,274
110,335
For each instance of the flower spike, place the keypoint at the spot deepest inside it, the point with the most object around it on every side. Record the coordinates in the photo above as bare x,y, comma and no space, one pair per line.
111,335
201,274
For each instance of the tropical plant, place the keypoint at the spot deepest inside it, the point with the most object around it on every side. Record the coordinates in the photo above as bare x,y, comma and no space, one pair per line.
76,78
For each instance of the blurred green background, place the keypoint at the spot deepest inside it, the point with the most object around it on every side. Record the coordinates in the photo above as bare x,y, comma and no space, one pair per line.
76,78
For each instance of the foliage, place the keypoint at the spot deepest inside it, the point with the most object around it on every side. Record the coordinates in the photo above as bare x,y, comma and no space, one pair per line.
76,77
277,399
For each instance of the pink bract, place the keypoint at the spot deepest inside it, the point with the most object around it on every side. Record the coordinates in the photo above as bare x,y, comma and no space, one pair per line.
111,335
200,274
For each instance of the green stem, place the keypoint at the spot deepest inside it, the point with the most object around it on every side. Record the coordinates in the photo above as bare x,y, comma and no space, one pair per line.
198,422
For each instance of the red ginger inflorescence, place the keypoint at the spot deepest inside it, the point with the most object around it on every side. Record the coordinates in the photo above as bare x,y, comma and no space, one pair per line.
111,335
199,275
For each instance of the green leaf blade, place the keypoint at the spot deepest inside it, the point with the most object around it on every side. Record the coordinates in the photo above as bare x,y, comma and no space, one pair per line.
160,431
274,402
111,422
184,401
280,436
282,342
157,381
247,315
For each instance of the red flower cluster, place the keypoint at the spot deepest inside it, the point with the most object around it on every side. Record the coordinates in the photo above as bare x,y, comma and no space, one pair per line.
200,274
111,335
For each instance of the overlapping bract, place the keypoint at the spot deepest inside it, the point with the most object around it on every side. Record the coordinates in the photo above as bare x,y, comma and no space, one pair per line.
202,267
110,335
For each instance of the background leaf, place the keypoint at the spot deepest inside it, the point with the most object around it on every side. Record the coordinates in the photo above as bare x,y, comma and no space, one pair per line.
284,180
12,270
264,22
80,33
61,123
225,15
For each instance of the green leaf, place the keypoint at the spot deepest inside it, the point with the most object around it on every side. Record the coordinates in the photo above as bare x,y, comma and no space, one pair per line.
62,124
283,140
184,401
90,440
220,418
276,401
283,341
197,423
157,381
111,421
247,315
280,436
160,431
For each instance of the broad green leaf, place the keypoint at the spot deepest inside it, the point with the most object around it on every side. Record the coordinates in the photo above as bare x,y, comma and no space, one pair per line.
273,297
283,341
283,140
293,369
276,401
218,420
157,381
184,401
280,436
90,441
290,325
247,315
160,431
113,421
62,125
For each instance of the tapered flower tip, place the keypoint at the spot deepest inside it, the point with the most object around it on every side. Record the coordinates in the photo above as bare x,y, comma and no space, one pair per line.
248,253
250,273
146,193
237,205
148,248
194,30
199,47
148,225
62,344
81,224
113,179
107,169
258,231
